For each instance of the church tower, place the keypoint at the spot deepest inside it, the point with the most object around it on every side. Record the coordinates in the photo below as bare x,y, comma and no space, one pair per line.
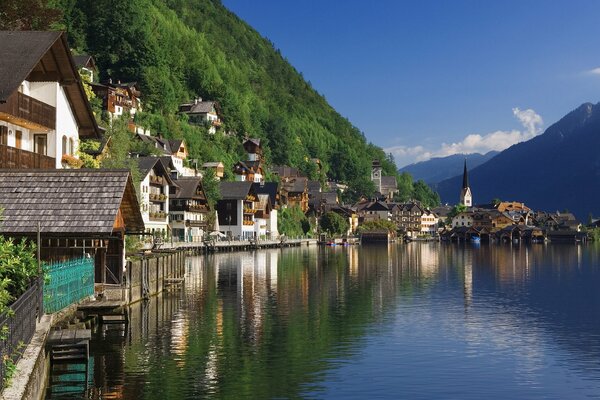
376,175
466,198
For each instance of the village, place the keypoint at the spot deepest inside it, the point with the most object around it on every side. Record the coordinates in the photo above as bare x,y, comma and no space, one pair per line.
82,218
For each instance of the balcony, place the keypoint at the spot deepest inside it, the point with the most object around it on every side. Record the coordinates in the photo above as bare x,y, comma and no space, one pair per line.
195,224
158,198
11,157
157,180
28,112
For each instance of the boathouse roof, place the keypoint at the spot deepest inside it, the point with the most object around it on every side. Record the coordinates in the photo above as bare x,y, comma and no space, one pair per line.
68,202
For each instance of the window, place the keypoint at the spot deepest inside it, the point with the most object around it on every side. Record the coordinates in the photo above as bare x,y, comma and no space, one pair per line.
64,145
71,146
4,135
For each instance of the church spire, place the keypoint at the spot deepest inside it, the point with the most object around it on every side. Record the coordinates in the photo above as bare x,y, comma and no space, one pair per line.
465,177
466,198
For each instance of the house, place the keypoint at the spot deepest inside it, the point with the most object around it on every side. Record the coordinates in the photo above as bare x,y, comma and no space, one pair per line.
252,169
118,98
86,66
78,212
176,149
203,112
408,218
44,111
429,222
236,209
218,167
283,171
375,210
462,219
268,208
154,194
387,186
188,210
294,192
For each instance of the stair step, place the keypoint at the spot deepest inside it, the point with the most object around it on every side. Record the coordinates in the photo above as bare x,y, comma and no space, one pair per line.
74,357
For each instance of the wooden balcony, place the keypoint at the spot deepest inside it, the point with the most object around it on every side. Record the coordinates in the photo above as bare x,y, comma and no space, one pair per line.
11,157
28,112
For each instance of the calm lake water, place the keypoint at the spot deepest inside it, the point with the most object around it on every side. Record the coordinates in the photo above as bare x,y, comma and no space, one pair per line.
415,321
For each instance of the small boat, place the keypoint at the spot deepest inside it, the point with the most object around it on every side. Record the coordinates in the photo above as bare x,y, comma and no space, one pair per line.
475,239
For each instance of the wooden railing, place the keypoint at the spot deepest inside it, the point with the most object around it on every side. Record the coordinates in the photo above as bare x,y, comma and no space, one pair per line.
30,109
11,157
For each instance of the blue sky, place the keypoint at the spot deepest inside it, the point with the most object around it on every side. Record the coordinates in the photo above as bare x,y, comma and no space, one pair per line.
424,79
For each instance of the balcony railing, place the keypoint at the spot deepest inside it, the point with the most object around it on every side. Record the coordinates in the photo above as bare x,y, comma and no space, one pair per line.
11,157
27,109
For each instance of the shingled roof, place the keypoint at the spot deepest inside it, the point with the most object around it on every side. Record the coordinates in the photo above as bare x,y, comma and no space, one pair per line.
67,202
44,56
235,190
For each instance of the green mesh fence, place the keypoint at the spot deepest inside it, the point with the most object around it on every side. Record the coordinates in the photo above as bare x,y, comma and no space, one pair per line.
68,282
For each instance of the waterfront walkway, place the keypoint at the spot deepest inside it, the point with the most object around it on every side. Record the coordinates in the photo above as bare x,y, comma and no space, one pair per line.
232,245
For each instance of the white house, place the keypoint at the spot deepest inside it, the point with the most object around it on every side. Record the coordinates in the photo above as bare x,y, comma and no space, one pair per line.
44,111
236,209
464,218
154,194
429,222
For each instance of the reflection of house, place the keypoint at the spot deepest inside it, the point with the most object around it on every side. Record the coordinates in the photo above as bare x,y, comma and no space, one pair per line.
188,208
43,107
236,209
154,193
203,112
118,98
78,211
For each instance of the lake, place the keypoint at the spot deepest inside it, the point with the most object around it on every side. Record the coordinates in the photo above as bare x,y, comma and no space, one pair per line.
414,321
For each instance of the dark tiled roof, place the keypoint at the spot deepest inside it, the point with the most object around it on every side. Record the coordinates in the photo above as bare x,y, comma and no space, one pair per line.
270,188
285,171
162,164
314,186
83,61
202,107
296,185
67,202
234,190
188,187
389,183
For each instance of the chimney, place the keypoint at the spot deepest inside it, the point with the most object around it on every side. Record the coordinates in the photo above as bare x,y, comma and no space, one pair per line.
196,101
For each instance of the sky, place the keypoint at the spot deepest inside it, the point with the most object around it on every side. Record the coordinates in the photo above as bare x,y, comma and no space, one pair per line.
427,79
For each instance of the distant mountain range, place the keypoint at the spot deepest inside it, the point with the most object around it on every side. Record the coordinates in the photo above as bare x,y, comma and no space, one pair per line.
557,170
438,169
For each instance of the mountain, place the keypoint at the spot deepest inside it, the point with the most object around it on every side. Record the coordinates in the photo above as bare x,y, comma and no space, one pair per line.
181,49
438,169
557,170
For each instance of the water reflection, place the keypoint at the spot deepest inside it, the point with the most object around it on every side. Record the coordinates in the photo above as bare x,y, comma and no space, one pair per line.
424,319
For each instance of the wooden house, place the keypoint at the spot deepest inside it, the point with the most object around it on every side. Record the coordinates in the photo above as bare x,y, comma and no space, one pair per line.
44,110
176,149
79,212
188,210
218,167
294,192
118,98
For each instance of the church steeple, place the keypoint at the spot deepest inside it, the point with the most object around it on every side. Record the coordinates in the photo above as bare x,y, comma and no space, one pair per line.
466,198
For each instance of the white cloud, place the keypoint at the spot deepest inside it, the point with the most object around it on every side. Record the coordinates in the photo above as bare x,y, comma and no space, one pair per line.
595,71
474,143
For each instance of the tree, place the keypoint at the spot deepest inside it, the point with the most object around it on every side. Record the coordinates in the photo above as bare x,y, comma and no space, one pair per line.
291,221
27,15
334,223
210,185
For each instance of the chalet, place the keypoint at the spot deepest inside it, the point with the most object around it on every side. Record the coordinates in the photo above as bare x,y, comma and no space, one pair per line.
203,112
188,209
252,169
387,186
79,212
118,98
44,111
154,194
464,218
236,209
268,208
218,167
176,149
86,66
283,171
294,192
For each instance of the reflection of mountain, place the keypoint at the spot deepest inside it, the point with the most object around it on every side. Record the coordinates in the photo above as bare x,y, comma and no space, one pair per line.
275,323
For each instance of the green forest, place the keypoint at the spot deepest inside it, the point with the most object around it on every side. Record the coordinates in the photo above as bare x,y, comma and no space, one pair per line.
181,49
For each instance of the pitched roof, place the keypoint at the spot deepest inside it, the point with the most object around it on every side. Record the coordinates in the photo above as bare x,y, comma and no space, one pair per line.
389,182
67,202
188,187
164,164
296,185
84,60
269,188
201,107
235,190
44,56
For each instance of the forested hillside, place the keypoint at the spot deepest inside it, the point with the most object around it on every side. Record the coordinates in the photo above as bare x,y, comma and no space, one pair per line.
181,49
